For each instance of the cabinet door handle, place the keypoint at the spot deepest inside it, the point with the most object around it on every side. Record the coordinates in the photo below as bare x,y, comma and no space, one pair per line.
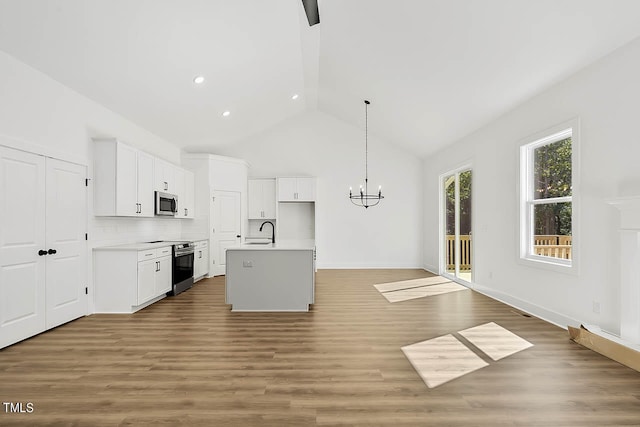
186,211
52,251
166,185
157,265
41,252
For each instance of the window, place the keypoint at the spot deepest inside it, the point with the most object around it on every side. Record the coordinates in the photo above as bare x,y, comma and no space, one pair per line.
547,185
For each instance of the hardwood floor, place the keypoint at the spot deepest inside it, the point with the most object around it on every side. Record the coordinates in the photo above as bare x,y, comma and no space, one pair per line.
189,360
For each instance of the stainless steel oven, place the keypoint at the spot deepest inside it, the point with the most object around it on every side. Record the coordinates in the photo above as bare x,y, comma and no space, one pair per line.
166,204
182,269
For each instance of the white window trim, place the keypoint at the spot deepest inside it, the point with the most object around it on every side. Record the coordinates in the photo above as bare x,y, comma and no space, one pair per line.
525,226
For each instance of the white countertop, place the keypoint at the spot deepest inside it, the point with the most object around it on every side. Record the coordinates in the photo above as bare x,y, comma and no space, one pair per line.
284,245
142,246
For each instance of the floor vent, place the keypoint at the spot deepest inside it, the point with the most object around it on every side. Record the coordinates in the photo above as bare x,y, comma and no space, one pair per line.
521,314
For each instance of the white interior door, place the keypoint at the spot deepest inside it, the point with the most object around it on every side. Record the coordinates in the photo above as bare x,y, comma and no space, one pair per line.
66,261
22,236
226,230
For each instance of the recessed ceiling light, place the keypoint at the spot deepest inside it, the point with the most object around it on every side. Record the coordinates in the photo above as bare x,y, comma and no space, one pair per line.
198,80
295,96
226,114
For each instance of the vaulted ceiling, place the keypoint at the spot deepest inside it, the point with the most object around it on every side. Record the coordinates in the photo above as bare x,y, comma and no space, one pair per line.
434,70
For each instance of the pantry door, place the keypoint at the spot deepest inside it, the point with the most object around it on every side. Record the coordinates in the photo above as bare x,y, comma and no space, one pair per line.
226,231
22,245
66,225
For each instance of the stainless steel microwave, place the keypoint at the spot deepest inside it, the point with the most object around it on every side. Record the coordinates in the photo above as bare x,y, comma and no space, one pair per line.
166,204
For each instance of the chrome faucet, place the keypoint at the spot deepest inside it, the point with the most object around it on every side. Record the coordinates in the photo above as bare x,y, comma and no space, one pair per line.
273,230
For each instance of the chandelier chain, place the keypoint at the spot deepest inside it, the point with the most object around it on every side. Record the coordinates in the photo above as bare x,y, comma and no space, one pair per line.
366,146
363,198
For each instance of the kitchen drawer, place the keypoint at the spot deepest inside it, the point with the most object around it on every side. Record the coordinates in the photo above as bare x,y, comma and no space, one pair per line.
164,251
148,254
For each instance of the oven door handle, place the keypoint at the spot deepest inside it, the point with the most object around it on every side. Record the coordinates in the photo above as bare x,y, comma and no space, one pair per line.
184,252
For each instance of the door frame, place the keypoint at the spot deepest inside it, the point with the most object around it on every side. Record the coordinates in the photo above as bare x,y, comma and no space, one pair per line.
441,225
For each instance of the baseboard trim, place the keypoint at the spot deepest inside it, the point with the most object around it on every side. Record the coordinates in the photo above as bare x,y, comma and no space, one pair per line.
330,266
550,316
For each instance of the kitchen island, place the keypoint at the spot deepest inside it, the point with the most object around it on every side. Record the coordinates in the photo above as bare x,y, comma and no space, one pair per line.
271,277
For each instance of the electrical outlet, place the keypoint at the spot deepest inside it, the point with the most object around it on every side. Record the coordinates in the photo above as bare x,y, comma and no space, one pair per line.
596,307
247,263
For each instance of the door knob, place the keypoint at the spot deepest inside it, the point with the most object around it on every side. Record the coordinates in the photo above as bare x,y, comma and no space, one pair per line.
41,252
238,236
52,251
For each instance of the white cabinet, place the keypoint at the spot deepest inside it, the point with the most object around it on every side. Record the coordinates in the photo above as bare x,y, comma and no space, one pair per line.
185,186
144,175
201,260
164,177
43,251
123,180
163,275
141,278
146,289
297,189
154,278
261,199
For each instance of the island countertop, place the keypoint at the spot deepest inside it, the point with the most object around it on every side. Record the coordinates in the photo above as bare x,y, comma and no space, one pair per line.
285,245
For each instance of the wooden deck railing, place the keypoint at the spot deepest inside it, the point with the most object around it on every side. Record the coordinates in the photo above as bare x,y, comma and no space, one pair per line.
546,245
465,252
555,251
553,246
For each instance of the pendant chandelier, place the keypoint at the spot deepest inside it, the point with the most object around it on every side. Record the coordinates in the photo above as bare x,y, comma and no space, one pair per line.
363,198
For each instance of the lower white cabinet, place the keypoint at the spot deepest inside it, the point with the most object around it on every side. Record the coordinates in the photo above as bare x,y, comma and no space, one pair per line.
201,260
127,279
154,278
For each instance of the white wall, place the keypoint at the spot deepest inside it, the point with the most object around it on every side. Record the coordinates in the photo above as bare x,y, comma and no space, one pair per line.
606,98
41,115
315,144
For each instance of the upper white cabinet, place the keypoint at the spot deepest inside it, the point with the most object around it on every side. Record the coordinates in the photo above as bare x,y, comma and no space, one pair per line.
261,199
297,189
185,190
165,177
123,179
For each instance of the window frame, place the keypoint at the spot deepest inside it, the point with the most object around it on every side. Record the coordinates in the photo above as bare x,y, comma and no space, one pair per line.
528,201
